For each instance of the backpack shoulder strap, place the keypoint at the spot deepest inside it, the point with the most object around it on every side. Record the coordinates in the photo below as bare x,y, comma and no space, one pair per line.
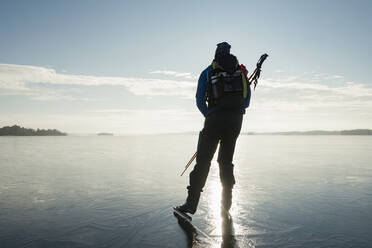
215,65
244,73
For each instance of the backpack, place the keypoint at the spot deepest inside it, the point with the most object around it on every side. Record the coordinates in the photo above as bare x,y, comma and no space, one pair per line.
227,84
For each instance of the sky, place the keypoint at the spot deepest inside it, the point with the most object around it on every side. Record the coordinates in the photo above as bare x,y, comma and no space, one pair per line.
131,67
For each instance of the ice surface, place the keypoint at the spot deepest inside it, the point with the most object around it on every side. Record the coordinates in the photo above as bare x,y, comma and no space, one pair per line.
291,191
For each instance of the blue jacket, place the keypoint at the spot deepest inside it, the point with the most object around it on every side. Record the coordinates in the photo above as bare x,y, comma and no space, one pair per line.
201,94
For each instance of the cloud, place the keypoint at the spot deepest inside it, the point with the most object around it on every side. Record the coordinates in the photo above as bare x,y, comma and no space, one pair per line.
146,114
185,75
309,100
301,104
337,77
13,80
294,90
119,121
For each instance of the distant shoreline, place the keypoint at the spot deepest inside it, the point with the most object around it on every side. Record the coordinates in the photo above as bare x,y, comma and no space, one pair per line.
21,131
312,132
317,132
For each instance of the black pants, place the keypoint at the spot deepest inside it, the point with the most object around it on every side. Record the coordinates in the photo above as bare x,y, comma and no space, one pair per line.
223,127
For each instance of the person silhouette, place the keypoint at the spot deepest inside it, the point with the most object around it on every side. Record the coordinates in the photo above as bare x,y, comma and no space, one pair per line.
223,94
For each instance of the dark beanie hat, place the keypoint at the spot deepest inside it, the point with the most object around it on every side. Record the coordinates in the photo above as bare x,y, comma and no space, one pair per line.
223,48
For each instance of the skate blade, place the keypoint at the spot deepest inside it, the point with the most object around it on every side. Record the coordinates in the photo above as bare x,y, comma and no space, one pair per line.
181,215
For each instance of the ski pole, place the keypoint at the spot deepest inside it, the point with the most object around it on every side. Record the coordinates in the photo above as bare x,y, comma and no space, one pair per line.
188,164
250,78
256,73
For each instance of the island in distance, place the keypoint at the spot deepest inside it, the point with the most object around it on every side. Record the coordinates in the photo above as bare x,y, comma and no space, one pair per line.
21,131
105,134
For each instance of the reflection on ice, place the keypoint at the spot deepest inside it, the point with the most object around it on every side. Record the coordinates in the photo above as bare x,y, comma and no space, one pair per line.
213,198
221,228
191,233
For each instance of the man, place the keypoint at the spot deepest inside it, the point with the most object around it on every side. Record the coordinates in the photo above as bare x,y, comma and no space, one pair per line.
224,86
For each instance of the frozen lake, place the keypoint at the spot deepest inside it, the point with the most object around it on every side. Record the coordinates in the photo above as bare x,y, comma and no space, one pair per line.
291,191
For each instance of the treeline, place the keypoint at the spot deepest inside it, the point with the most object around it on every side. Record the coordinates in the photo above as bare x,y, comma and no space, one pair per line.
21,131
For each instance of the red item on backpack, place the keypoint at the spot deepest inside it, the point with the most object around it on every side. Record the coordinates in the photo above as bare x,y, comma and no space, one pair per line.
244,70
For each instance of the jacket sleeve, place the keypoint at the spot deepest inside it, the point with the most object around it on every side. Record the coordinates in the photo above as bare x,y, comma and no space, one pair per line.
248,99
201,93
